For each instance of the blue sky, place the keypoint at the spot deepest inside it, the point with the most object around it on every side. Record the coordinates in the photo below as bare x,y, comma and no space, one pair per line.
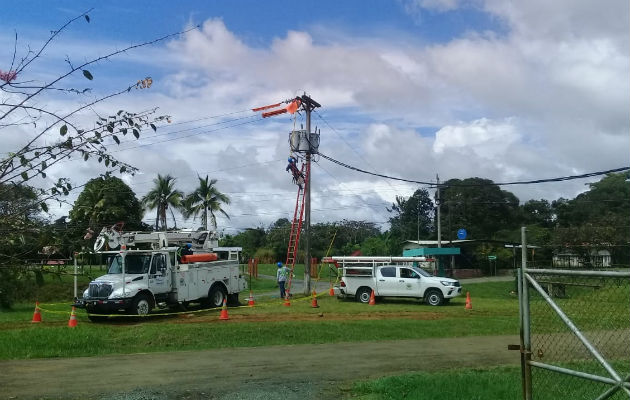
256,21
499,89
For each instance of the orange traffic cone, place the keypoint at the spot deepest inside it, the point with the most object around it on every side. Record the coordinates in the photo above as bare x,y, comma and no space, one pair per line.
224,313
250,302
287,303
72,322
314,301
468,302
37,315
372,299
331,291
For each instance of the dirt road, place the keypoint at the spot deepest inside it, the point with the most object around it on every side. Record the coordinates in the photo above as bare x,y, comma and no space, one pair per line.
275,372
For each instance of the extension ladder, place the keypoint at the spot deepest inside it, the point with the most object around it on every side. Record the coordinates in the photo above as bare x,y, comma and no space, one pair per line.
296,225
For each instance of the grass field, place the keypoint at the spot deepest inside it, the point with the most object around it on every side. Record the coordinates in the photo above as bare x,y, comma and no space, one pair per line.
479,384
269,323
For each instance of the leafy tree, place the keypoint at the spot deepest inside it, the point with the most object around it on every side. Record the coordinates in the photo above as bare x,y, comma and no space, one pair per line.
596,219
479,206
104,201
206,199
250,240
413,217
538,212
375,246
161,197
277,237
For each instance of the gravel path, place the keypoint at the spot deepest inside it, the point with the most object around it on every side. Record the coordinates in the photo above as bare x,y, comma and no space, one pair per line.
274,372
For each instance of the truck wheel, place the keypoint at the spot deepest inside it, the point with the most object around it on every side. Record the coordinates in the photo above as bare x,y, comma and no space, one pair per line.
141,305
433,297
216,296
232,299
363,295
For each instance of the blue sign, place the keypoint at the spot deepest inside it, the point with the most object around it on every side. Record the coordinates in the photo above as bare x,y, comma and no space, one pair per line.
461,234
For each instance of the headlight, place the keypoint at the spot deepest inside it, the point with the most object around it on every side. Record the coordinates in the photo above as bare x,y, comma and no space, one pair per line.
447,283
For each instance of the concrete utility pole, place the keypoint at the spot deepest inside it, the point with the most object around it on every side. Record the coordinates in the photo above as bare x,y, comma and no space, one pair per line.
309,105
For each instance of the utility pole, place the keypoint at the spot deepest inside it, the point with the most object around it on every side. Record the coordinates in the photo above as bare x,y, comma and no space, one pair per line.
309,105
439,226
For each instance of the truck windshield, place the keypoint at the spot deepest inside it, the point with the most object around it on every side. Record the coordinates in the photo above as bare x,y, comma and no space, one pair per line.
421,271
134,264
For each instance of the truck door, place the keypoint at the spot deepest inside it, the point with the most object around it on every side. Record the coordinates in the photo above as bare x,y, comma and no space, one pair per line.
159,275
409,282
387,282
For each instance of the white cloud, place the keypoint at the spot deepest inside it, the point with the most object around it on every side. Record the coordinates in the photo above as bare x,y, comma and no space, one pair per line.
484,138
547,97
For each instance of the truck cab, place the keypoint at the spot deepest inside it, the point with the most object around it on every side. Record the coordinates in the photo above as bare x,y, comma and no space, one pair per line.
135,282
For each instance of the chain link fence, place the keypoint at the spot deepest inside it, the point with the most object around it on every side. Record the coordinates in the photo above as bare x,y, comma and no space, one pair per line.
576,330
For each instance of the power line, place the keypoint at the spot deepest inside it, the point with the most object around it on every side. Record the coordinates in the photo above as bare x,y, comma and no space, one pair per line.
433,184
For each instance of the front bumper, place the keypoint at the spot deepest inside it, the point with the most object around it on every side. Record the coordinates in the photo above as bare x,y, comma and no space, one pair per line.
452,291
102,306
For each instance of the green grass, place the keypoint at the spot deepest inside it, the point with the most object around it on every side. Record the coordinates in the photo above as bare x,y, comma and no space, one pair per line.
298,324
480,384
495,312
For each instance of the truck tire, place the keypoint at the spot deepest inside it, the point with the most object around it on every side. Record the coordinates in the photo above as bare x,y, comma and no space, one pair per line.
232,299
216,295
433,297
141,305
363,294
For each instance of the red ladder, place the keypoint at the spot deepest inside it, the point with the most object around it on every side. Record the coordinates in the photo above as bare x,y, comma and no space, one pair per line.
296,225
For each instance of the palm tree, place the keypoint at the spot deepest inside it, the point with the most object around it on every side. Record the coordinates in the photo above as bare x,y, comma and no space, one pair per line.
161,197
205,199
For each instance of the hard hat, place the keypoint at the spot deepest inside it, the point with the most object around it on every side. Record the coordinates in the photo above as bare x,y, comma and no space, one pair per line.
290,159
279,264
189,245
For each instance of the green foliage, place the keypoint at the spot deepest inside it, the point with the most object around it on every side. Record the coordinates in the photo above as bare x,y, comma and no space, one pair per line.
375,246
15,283
266,256
105,201
250,240
413,218
478,206
161,197
206,199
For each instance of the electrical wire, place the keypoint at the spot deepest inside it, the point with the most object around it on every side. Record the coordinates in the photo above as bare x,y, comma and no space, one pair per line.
433,184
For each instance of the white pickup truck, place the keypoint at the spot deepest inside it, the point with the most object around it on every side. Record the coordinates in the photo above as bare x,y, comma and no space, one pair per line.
395,281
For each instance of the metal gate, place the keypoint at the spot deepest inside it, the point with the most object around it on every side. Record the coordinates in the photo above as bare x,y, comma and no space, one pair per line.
575,332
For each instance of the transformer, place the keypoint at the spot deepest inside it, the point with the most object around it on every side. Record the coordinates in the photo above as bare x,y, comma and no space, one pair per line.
301,142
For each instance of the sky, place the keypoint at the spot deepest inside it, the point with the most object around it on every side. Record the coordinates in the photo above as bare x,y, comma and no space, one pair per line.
497,89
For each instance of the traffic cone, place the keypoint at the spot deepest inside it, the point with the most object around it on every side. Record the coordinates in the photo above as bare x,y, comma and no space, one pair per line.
372,299
287,303
37,315
331,291
250,302
314,301
72,322
224,313
468,302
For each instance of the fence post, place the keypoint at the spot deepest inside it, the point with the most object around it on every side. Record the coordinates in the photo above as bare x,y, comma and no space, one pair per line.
526,331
